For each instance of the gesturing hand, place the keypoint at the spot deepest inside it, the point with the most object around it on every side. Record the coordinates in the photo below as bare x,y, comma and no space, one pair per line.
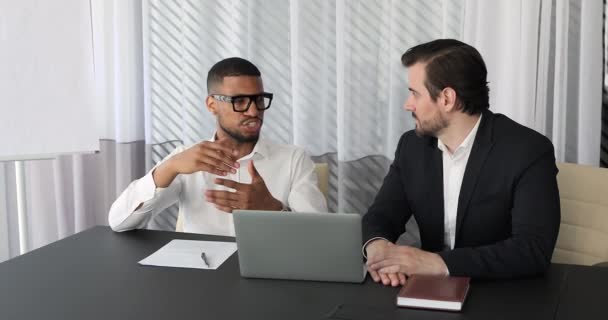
208,156
254,196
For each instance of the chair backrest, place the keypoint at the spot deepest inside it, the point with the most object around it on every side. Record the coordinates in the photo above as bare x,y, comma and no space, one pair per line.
583,233
322,170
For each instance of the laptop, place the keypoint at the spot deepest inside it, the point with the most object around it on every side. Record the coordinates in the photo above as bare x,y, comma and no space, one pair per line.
299,246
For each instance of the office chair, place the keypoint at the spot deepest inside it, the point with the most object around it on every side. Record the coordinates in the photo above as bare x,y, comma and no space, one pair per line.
583,233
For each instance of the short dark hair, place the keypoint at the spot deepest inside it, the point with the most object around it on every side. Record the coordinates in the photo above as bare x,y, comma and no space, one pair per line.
454,64
230,67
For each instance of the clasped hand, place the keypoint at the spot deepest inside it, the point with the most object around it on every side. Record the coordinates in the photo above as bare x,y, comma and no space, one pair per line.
391,264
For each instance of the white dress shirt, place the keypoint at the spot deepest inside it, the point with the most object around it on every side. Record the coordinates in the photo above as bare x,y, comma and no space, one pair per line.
287,171
454,165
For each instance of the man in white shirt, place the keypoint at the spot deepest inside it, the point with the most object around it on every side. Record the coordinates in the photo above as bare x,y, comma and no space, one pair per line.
482,187
235,169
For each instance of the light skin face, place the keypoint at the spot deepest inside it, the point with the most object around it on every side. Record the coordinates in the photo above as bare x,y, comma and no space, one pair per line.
440,118
430,117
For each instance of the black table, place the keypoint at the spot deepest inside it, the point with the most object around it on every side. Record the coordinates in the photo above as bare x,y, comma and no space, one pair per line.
95,275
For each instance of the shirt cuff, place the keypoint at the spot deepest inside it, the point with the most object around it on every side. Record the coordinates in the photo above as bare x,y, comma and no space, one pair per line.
145,188
285,208
367,242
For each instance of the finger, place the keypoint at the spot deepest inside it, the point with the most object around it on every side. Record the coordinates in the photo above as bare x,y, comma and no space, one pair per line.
223,202
375,275
369,264
389,269
219,146
223,208
230,184
211,169
402,278
222,155
222,194
383,263
394,252
394,279
218,160
374,259
253,172
385,279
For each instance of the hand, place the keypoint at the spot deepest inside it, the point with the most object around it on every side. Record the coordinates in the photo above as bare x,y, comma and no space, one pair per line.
374,250
208,156
254,196
407,260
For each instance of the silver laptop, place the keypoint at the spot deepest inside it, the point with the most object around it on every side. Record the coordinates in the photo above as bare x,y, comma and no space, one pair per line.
299,246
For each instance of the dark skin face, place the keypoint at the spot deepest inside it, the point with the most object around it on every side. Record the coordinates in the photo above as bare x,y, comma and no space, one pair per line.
241,130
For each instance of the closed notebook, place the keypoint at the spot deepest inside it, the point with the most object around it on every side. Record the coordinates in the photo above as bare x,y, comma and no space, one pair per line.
434,292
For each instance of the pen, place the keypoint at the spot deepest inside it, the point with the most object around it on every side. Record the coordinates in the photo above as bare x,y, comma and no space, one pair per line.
205,260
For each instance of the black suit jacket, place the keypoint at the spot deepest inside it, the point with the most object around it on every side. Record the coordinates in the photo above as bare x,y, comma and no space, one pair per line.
508,212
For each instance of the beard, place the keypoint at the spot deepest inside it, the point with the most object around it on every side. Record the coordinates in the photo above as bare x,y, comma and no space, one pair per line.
431,127
236,135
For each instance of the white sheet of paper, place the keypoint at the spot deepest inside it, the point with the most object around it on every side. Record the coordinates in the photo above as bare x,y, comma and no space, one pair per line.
187,254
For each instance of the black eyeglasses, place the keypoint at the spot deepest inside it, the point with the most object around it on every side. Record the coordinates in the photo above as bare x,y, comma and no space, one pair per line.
241,103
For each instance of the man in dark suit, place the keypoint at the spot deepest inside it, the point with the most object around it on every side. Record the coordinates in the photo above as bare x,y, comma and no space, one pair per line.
482,187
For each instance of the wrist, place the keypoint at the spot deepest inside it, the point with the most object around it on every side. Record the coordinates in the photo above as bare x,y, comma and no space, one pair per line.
377,242
275,205
170,168
370,246
442,268
285,208
163,175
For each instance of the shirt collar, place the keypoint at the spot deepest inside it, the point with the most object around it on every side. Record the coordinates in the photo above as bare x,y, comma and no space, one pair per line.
466,143
260,148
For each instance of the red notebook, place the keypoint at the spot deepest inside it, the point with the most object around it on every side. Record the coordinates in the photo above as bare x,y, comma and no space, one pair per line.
434,292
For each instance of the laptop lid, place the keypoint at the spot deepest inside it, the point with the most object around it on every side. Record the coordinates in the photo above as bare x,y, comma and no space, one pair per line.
299,246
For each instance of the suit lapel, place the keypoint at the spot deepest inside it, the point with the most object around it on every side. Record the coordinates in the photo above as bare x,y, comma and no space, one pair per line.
435,195
481,147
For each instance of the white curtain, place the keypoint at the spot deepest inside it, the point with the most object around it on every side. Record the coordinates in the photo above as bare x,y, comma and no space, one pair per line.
72,193
544,61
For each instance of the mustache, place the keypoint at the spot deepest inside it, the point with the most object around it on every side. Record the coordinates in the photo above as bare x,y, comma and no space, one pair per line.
414,116
252,118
